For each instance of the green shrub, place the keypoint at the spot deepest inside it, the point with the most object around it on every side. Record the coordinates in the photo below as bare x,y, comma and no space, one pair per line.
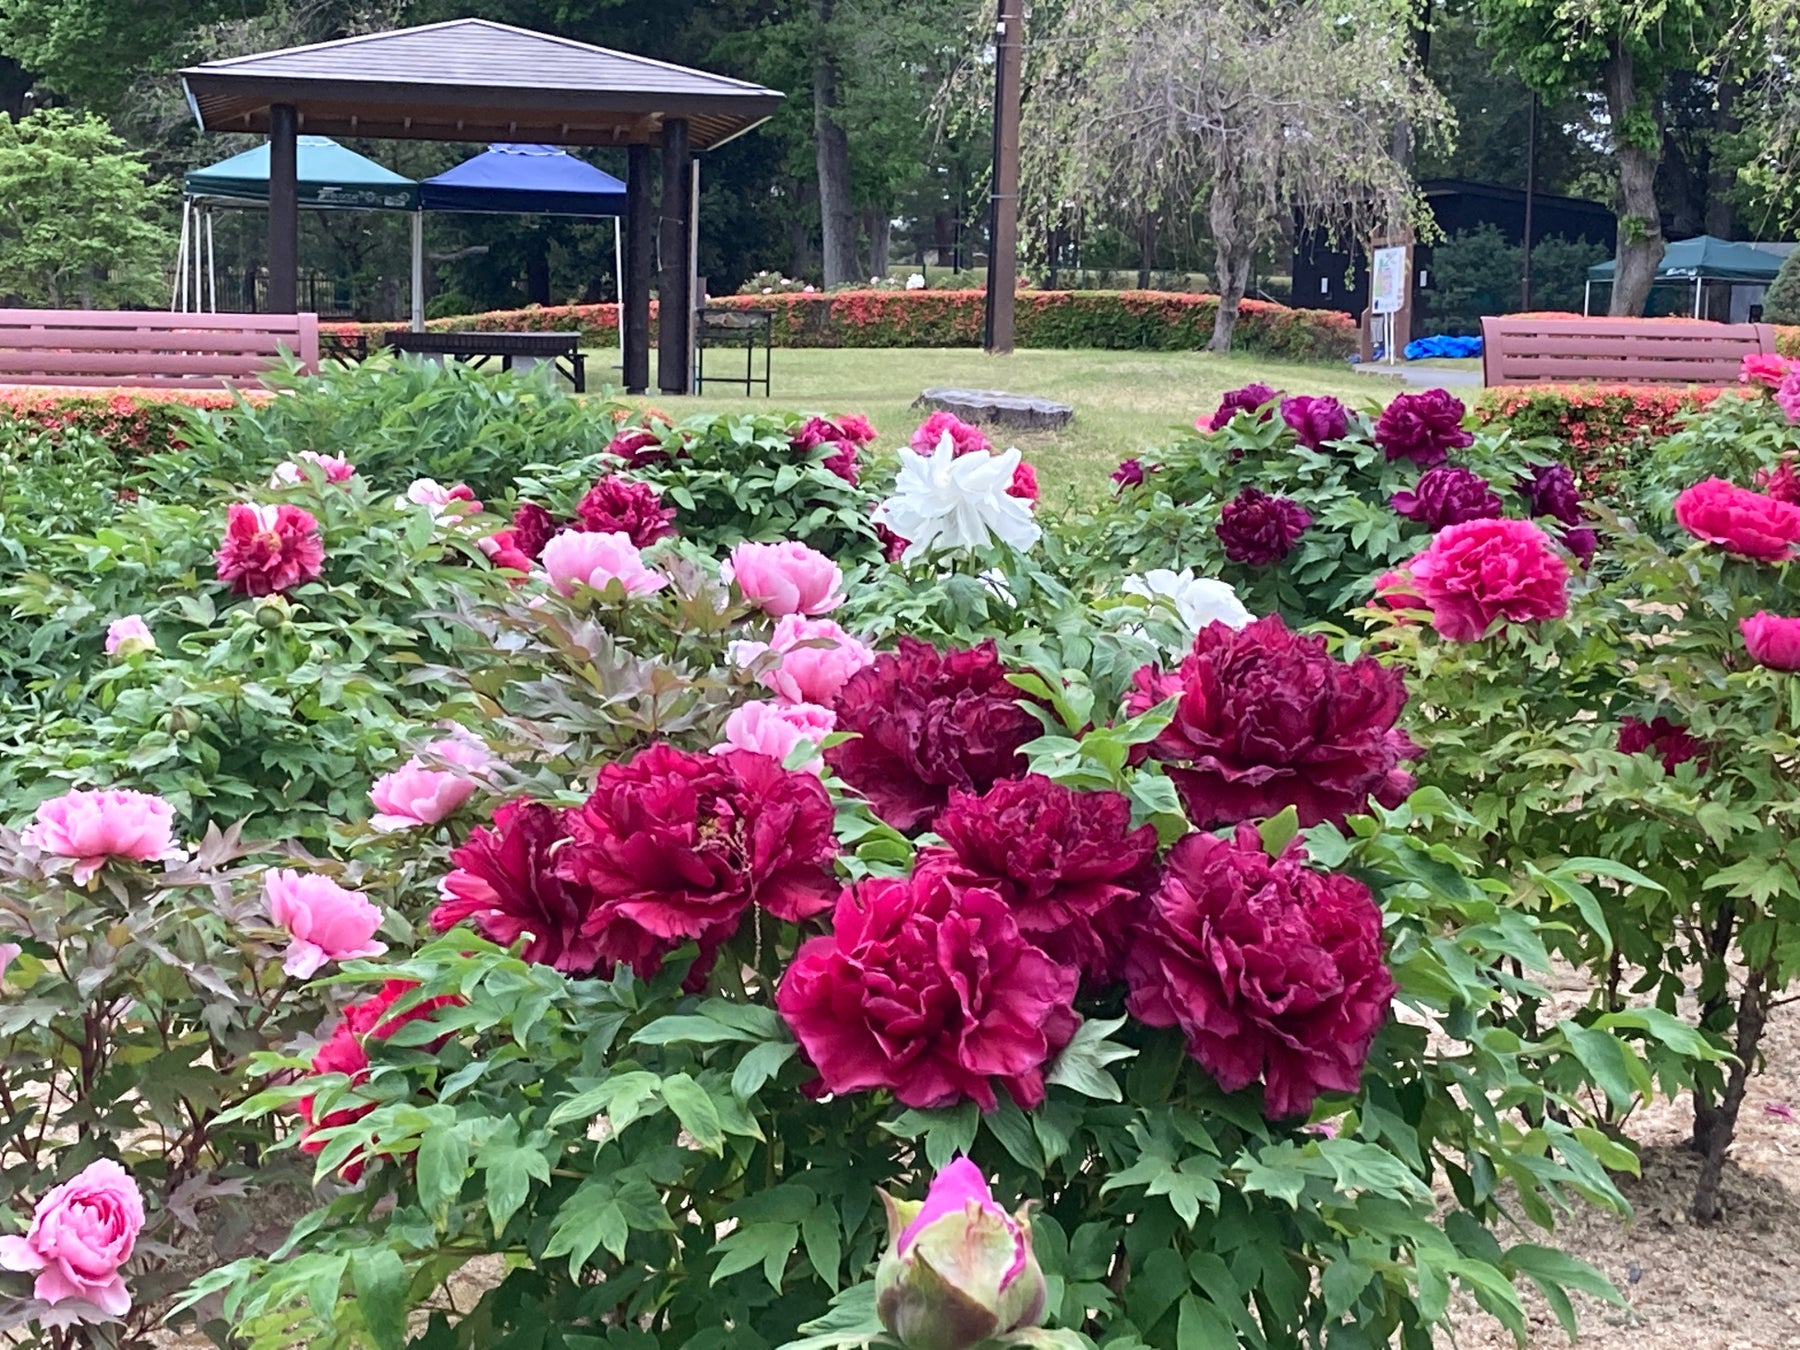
1782,302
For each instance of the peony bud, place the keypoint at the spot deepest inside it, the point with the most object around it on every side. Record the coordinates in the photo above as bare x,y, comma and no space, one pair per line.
959,1269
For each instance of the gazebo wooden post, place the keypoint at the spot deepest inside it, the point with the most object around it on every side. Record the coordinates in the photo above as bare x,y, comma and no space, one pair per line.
635,301
675,301
284,209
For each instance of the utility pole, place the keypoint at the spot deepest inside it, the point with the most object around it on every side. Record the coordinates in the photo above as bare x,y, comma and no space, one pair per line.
1531,139
1003,240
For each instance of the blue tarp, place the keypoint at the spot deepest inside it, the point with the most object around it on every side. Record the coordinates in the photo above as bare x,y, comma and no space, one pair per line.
1455,348
525,180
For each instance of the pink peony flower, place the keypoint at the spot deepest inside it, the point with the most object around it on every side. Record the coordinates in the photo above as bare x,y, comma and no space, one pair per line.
1787,396
326,921
414,795
502,549
1739,521
9,951
1484,571
462,749
293,471
439,500
128,636
597,561
1764,368
775,729
91,827
965,438
1772,641
269,549
817,657
82,1232
786,578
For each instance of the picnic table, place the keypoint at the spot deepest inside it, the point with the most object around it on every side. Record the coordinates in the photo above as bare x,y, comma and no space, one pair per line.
514,351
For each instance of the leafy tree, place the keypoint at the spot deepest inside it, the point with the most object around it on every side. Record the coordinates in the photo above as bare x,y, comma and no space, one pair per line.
82,221
1267,113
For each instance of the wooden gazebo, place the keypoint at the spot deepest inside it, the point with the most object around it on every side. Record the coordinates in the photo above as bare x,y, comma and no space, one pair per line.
474,80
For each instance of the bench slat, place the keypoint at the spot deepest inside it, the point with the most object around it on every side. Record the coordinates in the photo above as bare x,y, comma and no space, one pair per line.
126,363
187,340
148,320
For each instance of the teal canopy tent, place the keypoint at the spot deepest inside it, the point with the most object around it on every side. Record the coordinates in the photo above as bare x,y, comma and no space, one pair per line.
331,178
1696,262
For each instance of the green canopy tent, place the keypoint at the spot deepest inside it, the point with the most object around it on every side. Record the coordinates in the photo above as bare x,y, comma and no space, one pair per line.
1695,262
331,178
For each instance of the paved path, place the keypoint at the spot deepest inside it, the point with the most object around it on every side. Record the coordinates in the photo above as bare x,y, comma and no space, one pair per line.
1432,377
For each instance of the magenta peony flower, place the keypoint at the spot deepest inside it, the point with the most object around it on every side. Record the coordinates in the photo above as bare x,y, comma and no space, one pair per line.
82,1232
1129,474
676,846
616,505
91,827
326,921
857,429
598,561
1787,395
844,438
1739,521
965,438
369,1020
1669,741
1068,863
1424,428
1268,719
928,721
776,730
502,549
506,885
1315,420
334,468
1447,495
1550,491
1783,481
1252,398
1259,529
269,549
638,446
1486,571
1771,640
928,989
414,795
1765,369
786,578
1270,969
129,636
816,659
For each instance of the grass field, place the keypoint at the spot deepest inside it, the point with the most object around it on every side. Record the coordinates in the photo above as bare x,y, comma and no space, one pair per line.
1123,401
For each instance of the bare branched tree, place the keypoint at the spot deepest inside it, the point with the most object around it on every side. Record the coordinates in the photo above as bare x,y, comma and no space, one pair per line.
1270,114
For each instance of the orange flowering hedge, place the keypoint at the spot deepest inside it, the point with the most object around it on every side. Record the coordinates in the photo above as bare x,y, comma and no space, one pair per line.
1604,426
135,421
1131,320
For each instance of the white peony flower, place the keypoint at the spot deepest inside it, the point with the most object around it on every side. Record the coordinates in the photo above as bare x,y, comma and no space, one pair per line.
915,282
1198,600
944,502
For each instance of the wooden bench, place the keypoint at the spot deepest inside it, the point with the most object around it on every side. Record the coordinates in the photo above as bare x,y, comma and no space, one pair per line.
149,349
1521,350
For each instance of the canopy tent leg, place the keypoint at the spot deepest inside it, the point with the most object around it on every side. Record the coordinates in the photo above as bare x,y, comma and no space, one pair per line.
1587,299
635,314
1696,297
619,287
696,297
418,271
284,209
181,259
212,267
674,311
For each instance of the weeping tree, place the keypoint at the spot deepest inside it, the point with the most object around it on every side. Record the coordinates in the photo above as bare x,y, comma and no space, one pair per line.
1269,115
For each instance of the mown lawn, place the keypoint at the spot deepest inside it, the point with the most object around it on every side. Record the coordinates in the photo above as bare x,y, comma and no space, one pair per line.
1123,401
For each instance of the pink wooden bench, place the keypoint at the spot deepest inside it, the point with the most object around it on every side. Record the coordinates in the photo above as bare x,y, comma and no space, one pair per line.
149,349
1518,349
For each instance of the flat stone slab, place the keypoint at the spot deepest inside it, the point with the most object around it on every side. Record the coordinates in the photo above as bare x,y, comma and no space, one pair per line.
991,407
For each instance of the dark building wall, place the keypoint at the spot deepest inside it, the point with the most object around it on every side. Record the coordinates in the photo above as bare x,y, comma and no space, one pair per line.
1338,278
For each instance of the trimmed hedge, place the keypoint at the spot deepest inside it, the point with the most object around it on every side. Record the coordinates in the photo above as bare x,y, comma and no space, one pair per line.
132,422
1112,320
1604,426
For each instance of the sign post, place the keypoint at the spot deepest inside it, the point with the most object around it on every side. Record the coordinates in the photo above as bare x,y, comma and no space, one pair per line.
1388,287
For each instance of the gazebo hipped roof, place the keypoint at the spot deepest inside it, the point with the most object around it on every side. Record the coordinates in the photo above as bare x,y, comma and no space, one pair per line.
474,80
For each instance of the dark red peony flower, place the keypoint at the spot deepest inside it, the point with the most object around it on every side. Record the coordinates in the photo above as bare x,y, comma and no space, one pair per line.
1424,428
1259,529
928,721
1584,542
1668,741
675,846
1484,571
1738,520
1269,719
1270,969
616,505
1447,495
344,1053
269,549
1315,420
1550,491
1068,863
1246,400
506,885
842,440
637,447
927,988
532,528
1130,473
1783,481
893,547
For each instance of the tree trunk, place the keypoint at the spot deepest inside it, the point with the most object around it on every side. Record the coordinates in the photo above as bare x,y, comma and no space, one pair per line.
800,254
837,217
1752,1013
1147,250
879,226
1236,249
1640,238
1721,177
